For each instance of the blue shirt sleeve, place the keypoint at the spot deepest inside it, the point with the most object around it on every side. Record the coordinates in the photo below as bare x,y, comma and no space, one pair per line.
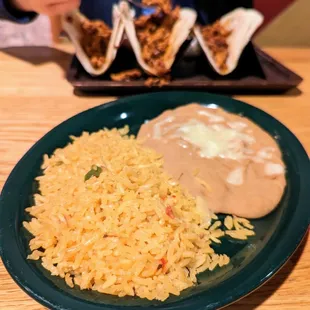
101,9
8,12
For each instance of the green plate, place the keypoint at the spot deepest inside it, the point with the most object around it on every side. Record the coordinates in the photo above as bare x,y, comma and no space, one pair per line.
252,262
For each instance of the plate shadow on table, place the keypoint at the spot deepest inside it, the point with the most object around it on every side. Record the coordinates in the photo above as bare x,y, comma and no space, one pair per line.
39,55
260,295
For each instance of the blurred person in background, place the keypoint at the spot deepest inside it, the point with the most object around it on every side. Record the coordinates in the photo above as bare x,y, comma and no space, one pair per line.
24,32
23,11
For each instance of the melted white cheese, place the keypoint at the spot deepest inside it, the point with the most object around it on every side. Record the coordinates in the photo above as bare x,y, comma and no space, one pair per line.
157,126
215,140
273,169
235,177
237,125
266,153
212,117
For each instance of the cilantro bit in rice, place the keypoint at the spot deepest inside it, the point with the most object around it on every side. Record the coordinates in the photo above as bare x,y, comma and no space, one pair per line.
95,171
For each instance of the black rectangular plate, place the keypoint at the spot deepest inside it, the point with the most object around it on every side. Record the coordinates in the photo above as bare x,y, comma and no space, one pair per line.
257,72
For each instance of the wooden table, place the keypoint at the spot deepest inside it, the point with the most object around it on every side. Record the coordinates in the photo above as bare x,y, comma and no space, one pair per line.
34,97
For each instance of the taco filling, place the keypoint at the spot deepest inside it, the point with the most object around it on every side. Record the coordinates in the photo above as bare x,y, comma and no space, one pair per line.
154,33
94,40
215,36
164,5
127,75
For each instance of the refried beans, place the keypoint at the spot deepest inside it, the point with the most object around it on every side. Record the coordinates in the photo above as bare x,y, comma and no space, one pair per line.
229,163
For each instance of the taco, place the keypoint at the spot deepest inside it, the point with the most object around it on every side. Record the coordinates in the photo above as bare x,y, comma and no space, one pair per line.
156,38
96,44
224,41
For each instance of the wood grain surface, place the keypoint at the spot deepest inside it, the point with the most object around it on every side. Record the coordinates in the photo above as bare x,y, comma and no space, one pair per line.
34,97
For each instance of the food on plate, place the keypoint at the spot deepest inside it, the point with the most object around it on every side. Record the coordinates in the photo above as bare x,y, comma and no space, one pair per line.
227,160
215,36
157,81
224,41
95,38
109,218
127,75
156,38
154,32
96,44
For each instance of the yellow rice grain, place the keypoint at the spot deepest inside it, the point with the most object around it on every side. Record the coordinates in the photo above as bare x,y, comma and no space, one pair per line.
236,234
228,222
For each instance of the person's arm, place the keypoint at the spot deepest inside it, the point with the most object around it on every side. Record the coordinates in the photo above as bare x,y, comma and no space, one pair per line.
9,12
23,11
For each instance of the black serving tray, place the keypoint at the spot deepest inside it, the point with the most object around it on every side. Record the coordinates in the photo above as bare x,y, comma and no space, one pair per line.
257,72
